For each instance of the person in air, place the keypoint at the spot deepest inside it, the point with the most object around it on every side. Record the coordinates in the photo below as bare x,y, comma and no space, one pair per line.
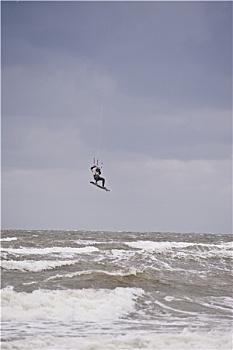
96,171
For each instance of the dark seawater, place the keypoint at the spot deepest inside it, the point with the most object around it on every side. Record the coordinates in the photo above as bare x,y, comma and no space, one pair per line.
116,290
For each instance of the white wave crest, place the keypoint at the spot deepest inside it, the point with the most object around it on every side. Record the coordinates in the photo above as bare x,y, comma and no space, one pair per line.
224,249
34,266
67,251
121,273
69,305
8,239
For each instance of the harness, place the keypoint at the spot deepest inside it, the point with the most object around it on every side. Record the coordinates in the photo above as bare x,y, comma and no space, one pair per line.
97,172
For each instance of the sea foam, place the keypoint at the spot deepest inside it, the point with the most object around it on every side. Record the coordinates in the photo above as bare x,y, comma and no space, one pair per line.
135,341
34,266
69,305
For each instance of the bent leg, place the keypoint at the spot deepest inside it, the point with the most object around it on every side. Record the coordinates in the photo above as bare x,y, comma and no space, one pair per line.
101,179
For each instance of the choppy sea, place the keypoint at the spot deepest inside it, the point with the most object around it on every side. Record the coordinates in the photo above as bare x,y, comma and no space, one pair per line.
115,290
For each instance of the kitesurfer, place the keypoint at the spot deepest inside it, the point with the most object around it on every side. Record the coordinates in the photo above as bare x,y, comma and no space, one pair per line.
96,171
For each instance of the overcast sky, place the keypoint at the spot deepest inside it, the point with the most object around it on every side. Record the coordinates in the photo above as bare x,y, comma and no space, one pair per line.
145,86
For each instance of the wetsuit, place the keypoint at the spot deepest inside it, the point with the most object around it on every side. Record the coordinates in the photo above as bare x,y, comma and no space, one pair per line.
96,174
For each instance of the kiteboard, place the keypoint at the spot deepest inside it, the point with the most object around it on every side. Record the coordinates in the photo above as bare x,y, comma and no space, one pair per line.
103,188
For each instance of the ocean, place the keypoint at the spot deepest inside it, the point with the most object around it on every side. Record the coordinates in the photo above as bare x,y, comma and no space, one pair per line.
115,290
